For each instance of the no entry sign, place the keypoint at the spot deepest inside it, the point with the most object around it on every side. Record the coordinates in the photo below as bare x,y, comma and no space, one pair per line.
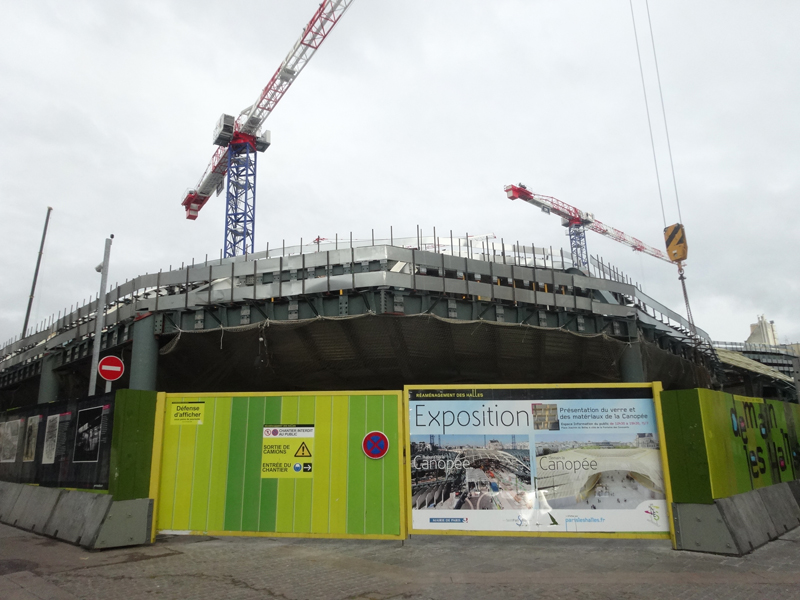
110,368
375,444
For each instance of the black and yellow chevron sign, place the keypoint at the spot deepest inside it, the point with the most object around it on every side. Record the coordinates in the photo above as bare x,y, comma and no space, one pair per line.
675,236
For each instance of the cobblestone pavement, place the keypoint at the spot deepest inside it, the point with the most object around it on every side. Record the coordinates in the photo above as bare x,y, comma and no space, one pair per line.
421,568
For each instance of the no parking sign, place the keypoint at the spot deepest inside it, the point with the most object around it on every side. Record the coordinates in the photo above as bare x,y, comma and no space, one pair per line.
375,444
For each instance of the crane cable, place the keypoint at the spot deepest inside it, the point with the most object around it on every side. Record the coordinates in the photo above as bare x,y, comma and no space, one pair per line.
647,110
681,275
663,111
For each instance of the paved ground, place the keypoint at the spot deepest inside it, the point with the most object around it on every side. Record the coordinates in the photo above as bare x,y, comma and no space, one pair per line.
33,567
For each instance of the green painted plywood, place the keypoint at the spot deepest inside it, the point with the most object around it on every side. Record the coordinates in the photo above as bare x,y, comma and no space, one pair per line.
187,446
269,487
284,520
321,483
683,430
251,494
391,466
132,444
201,476
340,431
303,487
236,464
211,472
356,466
218,472
373,471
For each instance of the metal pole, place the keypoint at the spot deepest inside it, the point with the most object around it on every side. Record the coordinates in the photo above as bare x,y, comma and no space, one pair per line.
36,272
99,317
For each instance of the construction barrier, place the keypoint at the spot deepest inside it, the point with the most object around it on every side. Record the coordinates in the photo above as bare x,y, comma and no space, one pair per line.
280,464
738,454
714,472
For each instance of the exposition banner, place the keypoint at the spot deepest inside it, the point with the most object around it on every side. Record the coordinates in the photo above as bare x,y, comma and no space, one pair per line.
536,458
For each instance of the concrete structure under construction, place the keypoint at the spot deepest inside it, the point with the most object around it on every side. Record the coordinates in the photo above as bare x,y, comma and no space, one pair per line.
370,315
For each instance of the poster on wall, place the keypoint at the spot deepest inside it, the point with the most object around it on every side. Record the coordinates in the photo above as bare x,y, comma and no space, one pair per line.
87,435
10,441
31,436
50,440
536,459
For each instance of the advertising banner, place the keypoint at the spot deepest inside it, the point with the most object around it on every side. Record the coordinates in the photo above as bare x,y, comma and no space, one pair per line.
9,440
31,437
546,459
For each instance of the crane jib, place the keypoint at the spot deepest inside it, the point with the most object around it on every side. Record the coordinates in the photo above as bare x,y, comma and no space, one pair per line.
578,219
250,121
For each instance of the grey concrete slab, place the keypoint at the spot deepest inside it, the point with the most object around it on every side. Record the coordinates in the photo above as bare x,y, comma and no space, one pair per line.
423,568
25,493
34,507
77,517
781,506
128,524
9,492
794,487
747,520
25,585
701,528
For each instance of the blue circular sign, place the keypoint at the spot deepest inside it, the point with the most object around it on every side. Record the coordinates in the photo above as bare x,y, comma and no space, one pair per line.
297,467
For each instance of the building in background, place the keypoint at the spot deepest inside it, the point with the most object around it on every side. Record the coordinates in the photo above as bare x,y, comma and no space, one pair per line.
760,366
763,332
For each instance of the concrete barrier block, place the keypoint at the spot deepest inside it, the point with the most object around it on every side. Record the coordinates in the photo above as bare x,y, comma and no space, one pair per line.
700,528
781,507
128,523
77,517
794,487
747,520
9,492
20,503
34,507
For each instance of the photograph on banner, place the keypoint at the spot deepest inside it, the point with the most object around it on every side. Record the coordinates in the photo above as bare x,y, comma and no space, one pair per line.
87,435
526,462
31,436
50,440
10,441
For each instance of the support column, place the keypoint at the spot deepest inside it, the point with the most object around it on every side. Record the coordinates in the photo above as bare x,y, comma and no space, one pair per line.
631,364
48,383
144,355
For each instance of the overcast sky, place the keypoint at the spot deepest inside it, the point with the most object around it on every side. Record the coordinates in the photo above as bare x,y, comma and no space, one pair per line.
413,112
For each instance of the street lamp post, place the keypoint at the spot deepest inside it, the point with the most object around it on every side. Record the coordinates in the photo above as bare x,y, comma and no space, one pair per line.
99,319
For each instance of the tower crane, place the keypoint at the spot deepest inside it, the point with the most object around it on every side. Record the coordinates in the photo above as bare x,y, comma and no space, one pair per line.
577,222
239,139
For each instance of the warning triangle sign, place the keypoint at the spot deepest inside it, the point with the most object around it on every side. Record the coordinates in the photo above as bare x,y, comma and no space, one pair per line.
303,451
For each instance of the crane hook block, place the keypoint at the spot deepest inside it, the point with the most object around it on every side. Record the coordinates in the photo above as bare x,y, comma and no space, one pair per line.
675,238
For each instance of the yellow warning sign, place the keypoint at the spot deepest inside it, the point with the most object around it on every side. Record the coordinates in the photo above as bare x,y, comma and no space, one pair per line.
303,451
187,413
286,451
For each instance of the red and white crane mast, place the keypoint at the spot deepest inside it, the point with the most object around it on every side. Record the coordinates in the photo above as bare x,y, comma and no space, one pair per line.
239,139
